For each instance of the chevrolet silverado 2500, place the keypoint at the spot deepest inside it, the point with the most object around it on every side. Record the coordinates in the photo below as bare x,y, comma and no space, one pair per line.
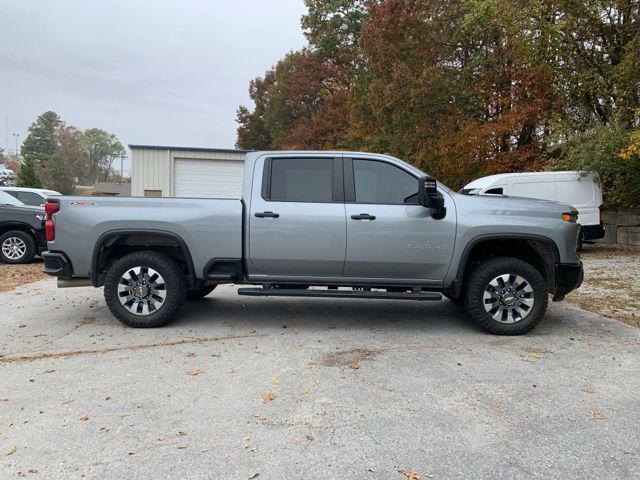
320,224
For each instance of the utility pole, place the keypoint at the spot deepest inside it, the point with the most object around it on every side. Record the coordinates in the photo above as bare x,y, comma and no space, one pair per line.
122,157
16,137
6,133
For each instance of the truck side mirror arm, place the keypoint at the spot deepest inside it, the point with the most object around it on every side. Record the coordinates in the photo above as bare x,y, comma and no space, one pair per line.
429,197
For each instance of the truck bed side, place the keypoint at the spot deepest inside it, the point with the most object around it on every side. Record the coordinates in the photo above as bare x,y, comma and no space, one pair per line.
209,228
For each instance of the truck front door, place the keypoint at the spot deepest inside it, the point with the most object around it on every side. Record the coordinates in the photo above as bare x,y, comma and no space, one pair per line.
297,225
389,235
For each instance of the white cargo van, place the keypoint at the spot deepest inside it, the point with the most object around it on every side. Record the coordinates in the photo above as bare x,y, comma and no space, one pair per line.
579,189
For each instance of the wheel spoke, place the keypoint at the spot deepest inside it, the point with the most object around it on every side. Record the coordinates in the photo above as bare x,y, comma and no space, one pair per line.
508,298
142,290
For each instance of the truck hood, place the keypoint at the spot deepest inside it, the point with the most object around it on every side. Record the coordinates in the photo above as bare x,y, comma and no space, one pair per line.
521,202
510,206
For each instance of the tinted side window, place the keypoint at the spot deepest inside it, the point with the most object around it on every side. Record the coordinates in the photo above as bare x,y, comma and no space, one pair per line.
495,191
12,193
302,180
379,182
29,198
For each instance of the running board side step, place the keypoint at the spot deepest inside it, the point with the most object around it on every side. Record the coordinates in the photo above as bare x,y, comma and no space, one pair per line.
283,292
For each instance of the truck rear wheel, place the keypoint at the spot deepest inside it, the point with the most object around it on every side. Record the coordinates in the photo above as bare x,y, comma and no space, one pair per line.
505,296
145,289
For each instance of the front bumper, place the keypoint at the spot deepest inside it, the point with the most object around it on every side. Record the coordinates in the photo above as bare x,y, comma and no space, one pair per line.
57,264
568,277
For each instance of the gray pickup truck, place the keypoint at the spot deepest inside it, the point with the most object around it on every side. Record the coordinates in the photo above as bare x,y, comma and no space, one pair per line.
320,224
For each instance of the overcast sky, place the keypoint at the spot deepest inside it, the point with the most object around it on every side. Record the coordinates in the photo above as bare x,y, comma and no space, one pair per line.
163,72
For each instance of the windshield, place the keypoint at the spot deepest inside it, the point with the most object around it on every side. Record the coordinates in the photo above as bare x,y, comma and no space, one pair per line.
6,199
470,191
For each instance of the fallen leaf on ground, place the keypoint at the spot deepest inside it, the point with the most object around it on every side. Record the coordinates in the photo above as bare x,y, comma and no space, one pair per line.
253,475
11,451
354,366
84,418
268,396
596,415
245,441
194,371
181,447
304,391
4,399
497,404
587,390
309,437
409,474
274,381
50,371
191,354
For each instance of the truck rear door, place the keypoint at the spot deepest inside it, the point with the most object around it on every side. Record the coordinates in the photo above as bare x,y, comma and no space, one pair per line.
297,225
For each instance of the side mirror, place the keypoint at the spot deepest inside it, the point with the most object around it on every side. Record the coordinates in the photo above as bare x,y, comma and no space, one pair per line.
429,197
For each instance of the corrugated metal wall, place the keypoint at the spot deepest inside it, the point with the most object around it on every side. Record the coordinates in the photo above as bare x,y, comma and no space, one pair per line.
153,168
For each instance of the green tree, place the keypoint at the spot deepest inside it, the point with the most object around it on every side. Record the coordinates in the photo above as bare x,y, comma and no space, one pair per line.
27,175
41,141
102,149
60,176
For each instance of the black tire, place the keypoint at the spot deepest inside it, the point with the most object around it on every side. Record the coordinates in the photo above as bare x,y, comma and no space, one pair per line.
478,280
174,282
201,292
23,238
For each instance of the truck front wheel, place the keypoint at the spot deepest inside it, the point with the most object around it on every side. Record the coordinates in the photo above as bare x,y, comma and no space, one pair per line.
145,289
505,296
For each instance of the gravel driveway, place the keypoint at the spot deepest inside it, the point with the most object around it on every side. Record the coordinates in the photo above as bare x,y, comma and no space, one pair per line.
243,388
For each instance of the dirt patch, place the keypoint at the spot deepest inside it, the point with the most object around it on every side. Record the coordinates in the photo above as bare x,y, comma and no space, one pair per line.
12,276
86,320
74,353
349,358
611,284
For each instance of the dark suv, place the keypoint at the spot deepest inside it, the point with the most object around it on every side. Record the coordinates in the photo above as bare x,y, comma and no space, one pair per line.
21,230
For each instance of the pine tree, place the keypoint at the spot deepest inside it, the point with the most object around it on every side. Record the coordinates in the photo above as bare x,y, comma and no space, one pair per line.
27,175
41,142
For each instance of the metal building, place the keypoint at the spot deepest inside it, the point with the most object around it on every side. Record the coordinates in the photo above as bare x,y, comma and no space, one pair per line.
158,171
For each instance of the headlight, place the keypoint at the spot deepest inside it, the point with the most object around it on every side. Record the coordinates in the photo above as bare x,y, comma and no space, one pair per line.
571,215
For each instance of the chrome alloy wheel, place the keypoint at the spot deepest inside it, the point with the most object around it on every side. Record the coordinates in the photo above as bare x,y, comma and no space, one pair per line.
14,248
142,290
508,298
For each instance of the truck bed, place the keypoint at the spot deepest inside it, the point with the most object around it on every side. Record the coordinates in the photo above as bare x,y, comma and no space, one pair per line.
210,227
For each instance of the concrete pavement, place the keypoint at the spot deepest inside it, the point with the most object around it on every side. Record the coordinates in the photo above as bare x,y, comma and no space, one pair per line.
242,388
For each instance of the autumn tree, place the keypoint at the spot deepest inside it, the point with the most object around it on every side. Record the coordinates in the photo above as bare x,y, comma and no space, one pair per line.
102,149
74,152
461,88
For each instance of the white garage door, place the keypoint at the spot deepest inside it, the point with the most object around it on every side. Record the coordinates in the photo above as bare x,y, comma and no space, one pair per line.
208,178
